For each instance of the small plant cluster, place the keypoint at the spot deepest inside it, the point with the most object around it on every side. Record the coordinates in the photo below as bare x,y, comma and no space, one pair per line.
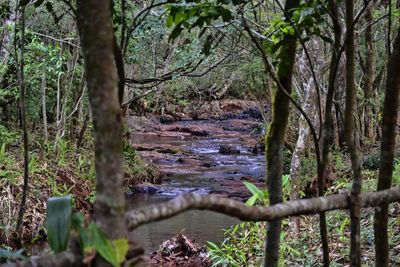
60,221
244,244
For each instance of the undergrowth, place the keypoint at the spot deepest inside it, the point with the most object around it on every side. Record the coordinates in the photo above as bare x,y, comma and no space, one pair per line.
244,244
53,171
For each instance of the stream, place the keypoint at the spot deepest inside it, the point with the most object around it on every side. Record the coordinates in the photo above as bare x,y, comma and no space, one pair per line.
197,167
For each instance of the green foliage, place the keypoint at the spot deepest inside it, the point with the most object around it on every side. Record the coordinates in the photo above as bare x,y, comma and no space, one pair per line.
243,245
8,136
307,17
396,172
199,14
91,238
258,196
58,222
8,169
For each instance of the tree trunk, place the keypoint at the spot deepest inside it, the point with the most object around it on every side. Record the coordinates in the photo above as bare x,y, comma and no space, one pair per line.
304,130
97,39
22,110
368,76
45,132
276,137
327,131
6,41
390,113
352,137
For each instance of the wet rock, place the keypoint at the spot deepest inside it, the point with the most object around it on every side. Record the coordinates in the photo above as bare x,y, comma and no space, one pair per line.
195,130
239,194
220,191
228,150
145,189
241,125
167,119
246,178
157,148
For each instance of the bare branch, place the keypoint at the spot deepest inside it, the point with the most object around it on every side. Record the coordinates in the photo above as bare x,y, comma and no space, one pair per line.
157,212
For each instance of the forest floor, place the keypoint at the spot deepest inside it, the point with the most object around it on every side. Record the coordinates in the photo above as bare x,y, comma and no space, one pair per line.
54,172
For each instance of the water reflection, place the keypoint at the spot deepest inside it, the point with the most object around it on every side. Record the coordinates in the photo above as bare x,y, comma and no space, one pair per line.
199,225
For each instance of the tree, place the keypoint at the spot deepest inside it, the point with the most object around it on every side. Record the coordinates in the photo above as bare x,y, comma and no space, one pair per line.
390,114
97,37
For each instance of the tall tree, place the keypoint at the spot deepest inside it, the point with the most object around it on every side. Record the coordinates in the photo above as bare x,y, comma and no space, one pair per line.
276,137
352,137
97,38
368,76
22,113
390,113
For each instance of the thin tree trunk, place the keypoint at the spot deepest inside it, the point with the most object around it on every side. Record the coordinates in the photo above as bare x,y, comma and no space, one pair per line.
276,137
6,43
390,113
83,130
304,131
45,132
97,38
368,76
22,111
327,132
352,137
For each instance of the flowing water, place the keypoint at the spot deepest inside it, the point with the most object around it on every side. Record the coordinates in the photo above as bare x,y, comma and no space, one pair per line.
221,169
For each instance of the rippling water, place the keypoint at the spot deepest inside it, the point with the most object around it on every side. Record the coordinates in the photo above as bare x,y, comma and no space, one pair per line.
199,225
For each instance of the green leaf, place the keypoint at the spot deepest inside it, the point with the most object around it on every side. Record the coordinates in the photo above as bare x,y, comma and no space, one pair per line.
170,21
213,245
113,251
103,245
253,189
23,3
252,200
207,45
175,32
121,247
225,13
58,222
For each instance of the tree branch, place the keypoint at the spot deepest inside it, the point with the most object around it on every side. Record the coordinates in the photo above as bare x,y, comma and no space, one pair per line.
157,212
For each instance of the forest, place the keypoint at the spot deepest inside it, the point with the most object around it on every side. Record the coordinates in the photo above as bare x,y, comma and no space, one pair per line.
199,133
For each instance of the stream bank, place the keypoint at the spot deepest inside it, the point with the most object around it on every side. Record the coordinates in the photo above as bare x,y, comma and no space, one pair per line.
207,156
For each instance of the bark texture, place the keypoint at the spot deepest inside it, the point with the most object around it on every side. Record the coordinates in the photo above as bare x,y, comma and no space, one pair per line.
276,137
157,212
97,38
22,112
390,111
327,131
309,91
369,76
352,137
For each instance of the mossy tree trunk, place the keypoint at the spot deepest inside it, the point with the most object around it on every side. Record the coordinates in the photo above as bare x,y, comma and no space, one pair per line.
97,39
276,137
